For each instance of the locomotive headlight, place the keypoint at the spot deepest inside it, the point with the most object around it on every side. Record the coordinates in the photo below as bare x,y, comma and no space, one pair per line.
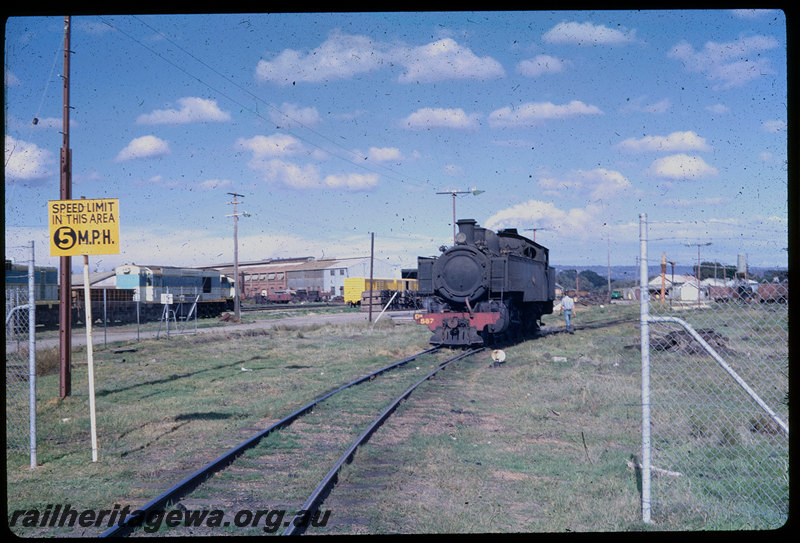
461,238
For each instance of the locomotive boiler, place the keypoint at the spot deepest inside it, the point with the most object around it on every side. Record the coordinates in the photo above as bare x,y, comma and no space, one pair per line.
487,288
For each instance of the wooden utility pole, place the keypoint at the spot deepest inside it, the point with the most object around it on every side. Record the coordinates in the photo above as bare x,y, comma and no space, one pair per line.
237,312
65,285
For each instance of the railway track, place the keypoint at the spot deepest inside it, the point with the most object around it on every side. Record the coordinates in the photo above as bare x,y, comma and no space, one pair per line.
250,308
335,435
549,330
180,495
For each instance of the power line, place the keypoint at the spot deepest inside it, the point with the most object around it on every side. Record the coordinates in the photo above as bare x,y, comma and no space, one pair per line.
357,159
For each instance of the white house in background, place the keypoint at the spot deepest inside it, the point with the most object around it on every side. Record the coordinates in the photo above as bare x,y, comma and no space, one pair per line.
689,291
676,287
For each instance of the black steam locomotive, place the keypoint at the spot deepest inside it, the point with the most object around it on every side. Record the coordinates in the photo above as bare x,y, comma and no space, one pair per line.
487,288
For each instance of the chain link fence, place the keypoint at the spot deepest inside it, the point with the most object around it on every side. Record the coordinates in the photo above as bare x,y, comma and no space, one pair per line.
20,359
718,400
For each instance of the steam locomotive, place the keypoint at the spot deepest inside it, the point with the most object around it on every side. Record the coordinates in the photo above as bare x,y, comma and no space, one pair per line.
487,288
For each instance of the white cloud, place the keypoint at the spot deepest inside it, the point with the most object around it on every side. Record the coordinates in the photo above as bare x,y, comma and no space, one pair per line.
597,184
341,56
441,118
580,223
10,79
587,34
773,127
676,141
212,184
144,147
718,108
351,181
308,176
445,59
28,162
191,110
731,64
382,154
287,173
752,13
541,64
532,113
682,166
695,202
292,115
274,145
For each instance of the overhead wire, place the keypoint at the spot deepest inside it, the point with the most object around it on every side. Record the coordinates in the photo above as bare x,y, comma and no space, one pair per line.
35,119
357,160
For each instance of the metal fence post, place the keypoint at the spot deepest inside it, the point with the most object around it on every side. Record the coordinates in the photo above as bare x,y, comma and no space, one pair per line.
715,397
32,354
645,341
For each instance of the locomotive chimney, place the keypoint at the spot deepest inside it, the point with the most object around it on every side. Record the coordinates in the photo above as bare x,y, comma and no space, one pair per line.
466,232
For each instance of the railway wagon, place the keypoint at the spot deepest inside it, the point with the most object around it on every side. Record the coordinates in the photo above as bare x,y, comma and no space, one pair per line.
45,290
764,292
213,291
354,287
138,289
773,292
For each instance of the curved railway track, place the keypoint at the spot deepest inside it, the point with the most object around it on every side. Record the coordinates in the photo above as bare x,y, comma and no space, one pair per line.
299,521
174,494
315,499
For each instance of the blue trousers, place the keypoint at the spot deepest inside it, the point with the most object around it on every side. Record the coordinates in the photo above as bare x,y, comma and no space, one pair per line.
567,315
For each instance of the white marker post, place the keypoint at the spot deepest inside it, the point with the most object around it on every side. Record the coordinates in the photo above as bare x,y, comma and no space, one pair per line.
87,294
85,227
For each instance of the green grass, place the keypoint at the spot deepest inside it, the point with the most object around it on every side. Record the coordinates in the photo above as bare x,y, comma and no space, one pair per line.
540,444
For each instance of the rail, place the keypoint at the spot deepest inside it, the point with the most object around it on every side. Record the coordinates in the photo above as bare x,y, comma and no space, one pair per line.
125,526
296,527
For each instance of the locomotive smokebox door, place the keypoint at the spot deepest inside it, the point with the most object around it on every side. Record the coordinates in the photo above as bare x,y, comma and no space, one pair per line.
461,273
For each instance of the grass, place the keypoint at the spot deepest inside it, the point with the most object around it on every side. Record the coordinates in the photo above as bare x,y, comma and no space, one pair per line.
532,446
542,443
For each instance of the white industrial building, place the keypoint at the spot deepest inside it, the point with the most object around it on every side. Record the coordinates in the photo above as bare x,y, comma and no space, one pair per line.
324,276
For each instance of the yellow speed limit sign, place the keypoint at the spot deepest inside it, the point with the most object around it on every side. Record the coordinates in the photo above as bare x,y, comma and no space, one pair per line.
83,227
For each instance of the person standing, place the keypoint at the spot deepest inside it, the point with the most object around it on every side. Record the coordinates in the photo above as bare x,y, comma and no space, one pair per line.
568,306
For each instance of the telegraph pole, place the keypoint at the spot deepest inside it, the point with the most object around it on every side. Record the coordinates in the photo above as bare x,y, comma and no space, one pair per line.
474,192
371,282
236,283
65,285
706,244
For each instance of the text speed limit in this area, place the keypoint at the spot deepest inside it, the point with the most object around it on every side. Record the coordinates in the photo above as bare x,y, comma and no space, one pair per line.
83,227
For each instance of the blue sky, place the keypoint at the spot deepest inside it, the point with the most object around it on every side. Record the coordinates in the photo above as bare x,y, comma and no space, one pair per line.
333,126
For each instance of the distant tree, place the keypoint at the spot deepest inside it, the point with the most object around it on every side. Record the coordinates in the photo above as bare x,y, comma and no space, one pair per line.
770,275
622,283
709,270
597,281
587,280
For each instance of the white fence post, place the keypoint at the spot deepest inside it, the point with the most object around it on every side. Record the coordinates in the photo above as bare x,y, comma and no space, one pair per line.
32,354
644,297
